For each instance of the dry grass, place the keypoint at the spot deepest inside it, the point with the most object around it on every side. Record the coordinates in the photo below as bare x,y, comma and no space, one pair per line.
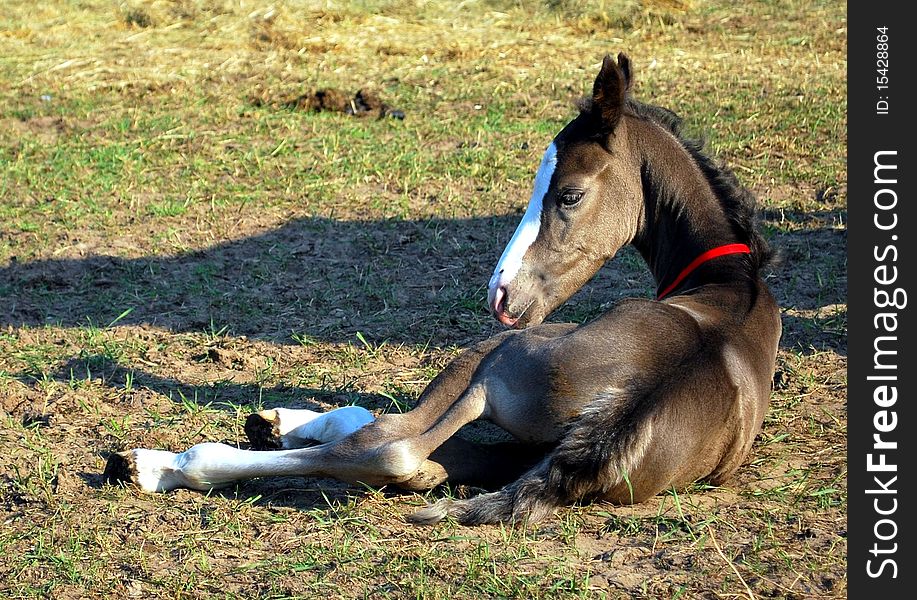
173,255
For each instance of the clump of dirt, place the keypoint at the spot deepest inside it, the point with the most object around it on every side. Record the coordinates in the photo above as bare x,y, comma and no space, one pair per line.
362,103
25,404
46,127
137,17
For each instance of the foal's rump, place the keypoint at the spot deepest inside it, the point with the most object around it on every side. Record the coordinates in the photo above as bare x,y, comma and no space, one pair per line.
679,411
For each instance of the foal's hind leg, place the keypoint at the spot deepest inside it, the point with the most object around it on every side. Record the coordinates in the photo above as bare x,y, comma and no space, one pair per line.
461,461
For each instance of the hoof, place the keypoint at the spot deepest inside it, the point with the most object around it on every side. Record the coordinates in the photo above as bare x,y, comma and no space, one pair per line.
120,469
149,470
263,431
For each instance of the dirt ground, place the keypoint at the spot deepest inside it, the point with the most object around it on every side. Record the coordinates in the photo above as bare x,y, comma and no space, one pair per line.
154,380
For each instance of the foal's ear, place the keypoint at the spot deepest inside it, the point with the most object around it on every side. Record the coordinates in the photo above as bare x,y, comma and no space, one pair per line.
609,92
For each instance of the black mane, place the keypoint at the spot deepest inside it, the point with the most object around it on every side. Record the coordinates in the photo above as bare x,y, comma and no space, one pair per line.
738,202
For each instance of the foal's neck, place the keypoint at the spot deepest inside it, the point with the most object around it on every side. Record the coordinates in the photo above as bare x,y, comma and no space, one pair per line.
683,217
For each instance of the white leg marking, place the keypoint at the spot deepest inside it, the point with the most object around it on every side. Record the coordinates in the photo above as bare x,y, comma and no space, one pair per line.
527,231
211,466
289,419
156,470
322,427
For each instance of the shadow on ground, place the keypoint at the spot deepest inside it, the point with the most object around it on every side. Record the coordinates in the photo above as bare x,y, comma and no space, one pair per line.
416,282
810,280
406,281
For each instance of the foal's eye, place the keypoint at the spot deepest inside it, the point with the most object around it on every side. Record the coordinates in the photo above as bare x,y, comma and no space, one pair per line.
570,198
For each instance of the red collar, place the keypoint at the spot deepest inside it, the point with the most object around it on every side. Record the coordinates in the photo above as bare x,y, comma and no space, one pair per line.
708,255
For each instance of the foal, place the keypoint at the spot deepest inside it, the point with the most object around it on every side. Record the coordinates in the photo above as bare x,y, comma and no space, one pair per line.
650,395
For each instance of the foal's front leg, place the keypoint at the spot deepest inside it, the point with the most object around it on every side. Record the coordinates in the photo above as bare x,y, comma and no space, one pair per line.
210,466
380,452
391,449
286,428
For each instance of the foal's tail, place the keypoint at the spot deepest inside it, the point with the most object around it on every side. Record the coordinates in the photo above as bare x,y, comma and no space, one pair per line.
602,446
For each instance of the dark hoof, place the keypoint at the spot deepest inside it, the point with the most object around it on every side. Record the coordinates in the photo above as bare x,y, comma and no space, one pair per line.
119,469
262,431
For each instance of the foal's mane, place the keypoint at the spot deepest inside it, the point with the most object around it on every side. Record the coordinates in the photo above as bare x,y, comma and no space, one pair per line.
738,202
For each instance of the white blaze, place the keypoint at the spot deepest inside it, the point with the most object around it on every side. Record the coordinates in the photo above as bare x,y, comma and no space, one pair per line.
527,231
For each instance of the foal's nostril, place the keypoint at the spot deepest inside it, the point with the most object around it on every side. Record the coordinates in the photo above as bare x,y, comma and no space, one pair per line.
499,303
501,296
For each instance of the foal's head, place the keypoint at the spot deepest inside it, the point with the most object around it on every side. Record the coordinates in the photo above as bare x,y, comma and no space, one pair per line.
586,204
